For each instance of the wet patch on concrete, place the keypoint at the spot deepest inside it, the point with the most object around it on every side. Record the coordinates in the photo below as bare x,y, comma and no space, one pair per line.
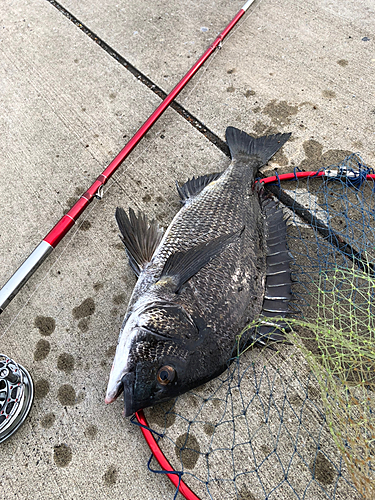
295,400
216,402
244,494
41,388
261,128
249,93
119,299
46,325
66,395
280,112
266,450
313,393
91,431
48,421
158,415
342,62
87,308
209,429
111,475
111,351
281,159
62,455
83,325
119,246
329,94
97,286
315,159
358,145
42,349
187,450
85,226
65,362
324,470
231,89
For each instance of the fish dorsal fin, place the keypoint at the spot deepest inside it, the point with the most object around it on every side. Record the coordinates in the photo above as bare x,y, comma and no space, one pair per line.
278,286
194,186
140,237
181,266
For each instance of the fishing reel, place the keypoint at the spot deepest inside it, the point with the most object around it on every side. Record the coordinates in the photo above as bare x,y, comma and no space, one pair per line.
16,396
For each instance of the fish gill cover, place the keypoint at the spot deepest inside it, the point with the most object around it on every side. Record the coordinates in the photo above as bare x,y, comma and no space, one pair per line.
298,421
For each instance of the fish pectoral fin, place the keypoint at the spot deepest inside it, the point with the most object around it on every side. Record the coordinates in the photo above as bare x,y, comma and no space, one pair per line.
181,266
140,237
194,186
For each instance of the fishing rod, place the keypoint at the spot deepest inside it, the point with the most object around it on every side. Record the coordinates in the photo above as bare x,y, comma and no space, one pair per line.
41,252
16,386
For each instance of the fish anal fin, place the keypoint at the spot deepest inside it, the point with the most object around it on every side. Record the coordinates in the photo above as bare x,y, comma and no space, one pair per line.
181,266
278,289
140,237
194,186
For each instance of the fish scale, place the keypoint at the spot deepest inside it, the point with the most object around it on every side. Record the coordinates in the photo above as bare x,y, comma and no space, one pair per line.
202,282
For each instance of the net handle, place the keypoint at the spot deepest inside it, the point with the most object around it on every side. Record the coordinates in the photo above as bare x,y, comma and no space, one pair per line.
302,175
161,459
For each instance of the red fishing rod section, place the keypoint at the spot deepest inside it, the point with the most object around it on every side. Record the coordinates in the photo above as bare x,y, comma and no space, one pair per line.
31,264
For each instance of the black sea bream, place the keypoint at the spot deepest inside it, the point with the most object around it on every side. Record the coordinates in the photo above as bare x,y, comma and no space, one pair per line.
222,263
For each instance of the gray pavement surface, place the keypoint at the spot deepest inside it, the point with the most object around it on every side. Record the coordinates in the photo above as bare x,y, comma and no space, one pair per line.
66,108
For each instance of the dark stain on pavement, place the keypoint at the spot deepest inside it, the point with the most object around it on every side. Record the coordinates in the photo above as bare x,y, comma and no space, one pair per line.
329,94
315,159
324,470
111,351
62,455
91,431
66,395
187,450
111,475
98,286
46,325
161,415
87,308
42,349
119,299
65,362
41,388
342,62
280,112
83,325
245,494
48,420
249,93
85,226
209,429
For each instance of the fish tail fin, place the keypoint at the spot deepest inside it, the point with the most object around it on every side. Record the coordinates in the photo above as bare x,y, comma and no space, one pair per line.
242,144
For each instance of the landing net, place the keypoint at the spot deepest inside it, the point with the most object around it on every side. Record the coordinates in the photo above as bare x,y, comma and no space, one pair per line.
296,422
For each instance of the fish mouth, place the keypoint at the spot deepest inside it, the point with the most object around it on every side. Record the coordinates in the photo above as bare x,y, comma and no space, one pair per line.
128,387
111,396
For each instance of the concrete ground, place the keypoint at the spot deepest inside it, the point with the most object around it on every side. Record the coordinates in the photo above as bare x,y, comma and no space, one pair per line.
67,106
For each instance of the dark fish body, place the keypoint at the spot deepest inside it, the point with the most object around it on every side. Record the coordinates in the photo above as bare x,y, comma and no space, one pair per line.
221,263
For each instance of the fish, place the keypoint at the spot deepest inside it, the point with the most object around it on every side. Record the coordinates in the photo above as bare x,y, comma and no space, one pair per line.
221,263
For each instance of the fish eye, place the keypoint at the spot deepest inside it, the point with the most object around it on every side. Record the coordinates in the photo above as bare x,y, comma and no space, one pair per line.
165,375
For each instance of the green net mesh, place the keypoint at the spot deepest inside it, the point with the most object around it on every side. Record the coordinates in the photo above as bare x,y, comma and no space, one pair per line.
296,422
